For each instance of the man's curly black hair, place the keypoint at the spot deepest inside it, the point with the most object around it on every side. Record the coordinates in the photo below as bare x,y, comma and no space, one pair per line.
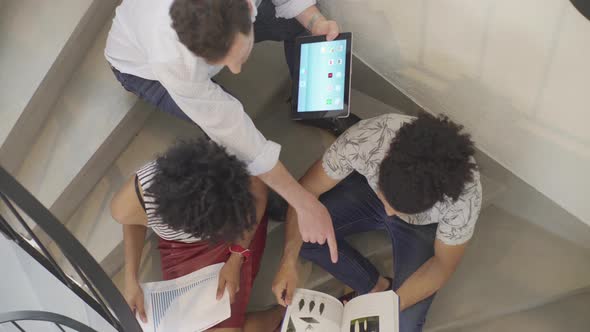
202,190
428,159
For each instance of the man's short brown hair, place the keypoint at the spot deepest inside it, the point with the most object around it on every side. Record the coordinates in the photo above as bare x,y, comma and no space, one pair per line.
209,27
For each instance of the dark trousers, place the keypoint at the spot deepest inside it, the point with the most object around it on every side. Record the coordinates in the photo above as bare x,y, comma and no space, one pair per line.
355,208
266,27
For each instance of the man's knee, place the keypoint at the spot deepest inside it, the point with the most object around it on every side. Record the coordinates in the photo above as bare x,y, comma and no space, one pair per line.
414,318
314,252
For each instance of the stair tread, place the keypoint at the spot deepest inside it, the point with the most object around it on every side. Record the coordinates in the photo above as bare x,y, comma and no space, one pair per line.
92,105
568,314
508,264
22,44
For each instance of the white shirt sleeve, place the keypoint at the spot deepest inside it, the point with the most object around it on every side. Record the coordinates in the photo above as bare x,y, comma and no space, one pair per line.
220,115
291,8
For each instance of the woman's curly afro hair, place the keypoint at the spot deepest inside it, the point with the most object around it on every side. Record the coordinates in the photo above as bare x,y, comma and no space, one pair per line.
202,190
428,159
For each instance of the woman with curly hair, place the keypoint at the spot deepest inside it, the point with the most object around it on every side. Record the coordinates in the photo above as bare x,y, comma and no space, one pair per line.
199,200
414,178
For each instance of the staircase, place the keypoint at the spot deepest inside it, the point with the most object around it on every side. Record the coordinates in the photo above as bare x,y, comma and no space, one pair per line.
72,135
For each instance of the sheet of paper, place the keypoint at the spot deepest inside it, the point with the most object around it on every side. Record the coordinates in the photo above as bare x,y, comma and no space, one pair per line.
377,312
185,304
312,311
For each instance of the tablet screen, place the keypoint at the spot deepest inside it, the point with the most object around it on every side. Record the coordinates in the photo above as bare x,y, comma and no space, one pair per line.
322,70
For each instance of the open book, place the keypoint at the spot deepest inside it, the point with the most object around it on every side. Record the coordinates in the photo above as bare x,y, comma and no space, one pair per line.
185,304
314,311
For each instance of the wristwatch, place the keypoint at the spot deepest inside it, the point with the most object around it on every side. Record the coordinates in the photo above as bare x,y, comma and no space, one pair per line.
238,249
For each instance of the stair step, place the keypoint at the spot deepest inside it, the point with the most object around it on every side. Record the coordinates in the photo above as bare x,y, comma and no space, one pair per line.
21,44
92,223
568,314
63,31
91,123
509,264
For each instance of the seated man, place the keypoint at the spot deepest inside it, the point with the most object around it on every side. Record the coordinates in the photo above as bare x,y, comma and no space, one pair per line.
199,201
412,177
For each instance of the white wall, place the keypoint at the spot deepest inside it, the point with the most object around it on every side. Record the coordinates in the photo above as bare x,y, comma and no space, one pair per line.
26,285
516,73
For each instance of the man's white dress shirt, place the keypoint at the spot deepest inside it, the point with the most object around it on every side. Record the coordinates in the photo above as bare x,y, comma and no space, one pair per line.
143,43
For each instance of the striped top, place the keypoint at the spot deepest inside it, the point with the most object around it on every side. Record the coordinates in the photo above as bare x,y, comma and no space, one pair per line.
143,180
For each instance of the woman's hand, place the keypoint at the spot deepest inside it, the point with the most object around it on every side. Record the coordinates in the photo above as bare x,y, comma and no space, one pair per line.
285,282
229,277
134,297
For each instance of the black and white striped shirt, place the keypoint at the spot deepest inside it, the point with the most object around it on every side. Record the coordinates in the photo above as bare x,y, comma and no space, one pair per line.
144,179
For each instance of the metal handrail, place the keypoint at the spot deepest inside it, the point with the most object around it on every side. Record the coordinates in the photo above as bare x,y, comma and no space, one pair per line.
583,6
60,321
111,303
41,259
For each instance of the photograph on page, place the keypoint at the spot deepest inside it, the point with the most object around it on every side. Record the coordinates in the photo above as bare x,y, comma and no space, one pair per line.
376,312
312,311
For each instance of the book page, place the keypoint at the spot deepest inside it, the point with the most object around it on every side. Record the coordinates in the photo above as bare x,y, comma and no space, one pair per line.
312,311
185,304
376,312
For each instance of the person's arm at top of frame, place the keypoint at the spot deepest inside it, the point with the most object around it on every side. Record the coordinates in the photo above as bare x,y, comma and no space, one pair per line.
308,14
126,210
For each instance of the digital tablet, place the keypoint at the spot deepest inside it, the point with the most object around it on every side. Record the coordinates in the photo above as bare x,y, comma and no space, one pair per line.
321,83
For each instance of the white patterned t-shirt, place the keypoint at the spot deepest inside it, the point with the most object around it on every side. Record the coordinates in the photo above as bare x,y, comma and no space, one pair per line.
363,147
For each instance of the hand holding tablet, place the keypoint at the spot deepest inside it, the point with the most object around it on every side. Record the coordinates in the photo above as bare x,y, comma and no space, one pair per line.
321,86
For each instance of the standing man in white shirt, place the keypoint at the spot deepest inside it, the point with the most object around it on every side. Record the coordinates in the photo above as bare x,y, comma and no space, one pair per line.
166,52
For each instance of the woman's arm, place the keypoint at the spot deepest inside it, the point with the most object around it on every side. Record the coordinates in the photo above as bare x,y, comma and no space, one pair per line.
229,276
126,210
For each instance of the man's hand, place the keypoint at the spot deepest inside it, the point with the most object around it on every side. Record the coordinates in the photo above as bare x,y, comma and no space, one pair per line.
134,298
315,226
285,282
325,27
229,277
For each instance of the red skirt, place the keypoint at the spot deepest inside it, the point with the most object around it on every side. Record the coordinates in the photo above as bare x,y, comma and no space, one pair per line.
179,259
